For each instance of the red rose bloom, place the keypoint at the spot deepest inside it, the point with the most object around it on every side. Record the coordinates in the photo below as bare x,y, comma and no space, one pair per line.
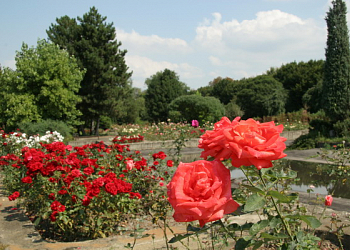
201,190
14,196
244,142
27,179
88,170
170,163
328,200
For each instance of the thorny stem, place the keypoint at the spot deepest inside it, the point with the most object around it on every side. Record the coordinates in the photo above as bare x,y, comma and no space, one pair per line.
172,231
226,230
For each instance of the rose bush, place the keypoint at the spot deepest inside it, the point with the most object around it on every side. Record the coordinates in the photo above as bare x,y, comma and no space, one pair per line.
84,192
245,142
201,190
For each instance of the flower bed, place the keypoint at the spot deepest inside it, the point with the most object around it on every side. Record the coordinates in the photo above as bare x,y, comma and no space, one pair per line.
128,139
85,192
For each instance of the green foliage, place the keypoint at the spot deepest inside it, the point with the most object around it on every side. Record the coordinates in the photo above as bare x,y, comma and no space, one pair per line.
232,110
261,96
106,84
44,86
307,141
105,122
34,128
224,89
298,78
342,128
312,99
53,78
205,91
162,89
133,108
195,107
336,89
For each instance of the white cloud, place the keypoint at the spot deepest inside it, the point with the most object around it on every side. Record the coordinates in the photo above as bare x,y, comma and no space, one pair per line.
144,67
251,47
233,48
151,44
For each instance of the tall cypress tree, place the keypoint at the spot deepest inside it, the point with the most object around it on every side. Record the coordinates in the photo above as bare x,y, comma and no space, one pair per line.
335,90
93,42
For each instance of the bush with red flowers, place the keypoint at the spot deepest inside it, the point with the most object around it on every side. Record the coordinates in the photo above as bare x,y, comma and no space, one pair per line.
85,192
128,139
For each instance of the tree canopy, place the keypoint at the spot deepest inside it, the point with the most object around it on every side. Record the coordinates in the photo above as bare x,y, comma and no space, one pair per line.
43,86
106,83
261,96
162,88
196,107
297,78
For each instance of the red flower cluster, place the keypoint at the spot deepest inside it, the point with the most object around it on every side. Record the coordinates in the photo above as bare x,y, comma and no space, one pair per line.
14,196
160,155
127,139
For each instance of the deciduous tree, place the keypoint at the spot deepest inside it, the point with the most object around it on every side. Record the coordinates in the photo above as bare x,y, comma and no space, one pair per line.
162,88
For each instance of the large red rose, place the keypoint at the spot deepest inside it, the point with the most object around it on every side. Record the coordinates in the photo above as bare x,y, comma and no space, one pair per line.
201,190
245,142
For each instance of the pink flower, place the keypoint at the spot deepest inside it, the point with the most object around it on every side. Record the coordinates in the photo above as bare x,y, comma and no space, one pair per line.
328,200
195,123
201,190
130,164
245,142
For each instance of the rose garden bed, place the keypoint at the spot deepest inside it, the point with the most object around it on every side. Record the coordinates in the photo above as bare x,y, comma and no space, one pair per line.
95,190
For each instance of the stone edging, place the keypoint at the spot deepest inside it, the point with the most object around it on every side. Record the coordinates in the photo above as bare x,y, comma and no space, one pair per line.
192,143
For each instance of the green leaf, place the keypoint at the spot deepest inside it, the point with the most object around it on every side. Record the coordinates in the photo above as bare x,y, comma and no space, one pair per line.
274,222
254,202
191,228
257,227
311,221
242,244
37,221
279,196
278,236
254,189
258,244
99,222
179,237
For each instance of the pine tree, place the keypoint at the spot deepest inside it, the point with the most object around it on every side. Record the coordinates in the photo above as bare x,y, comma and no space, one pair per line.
107,81
335,90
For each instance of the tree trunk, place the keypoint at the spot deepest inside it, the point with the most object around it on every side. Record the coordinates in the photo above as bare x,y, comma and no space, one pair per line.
97,127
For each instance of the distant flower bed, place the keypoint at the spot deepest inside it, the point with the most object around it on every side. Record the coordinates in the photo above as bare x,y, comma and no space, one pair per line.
162,131
128,139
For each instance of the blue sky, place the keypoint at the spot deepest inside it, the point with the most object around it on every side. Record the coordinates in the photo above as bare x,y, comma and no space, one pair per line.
198,39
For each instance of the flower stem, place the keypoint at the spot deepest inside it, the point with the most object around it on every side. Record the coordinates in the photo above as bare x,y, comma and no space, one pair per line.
226,230
285,224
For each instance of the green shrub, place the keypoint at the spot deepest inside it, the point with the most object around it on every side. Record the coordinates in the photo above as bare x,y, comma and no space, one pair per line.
342,128
232,110
307,141
322,127
47,125
105,122
195,107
